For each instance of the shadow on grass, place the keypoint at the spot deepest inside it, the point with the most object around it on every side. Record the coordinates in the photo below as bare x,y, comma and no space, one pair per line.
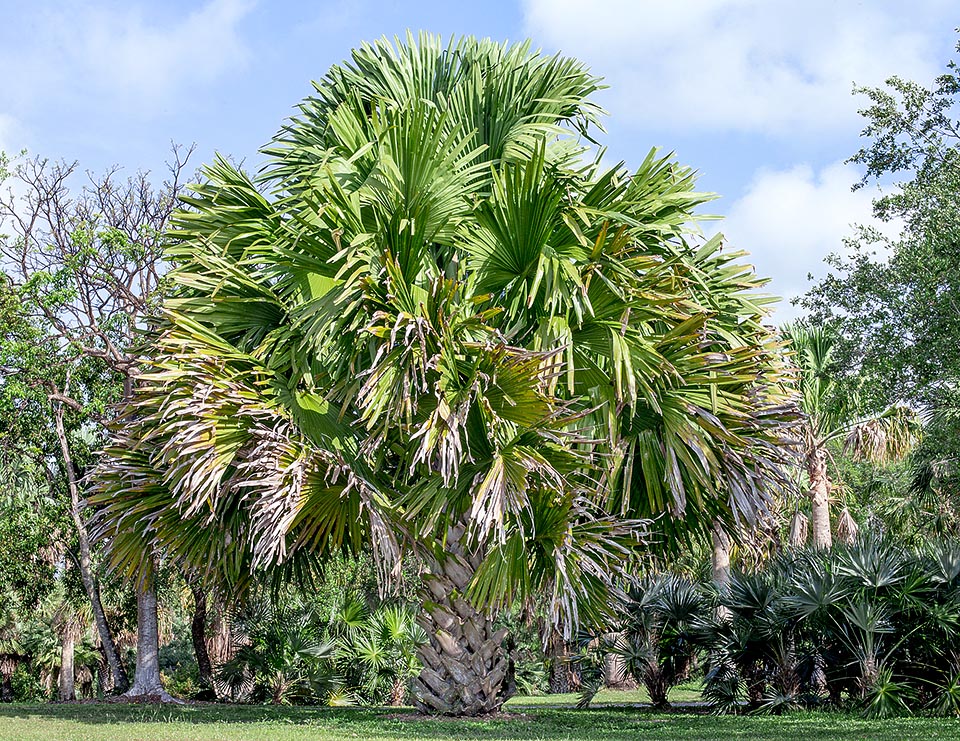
609,723
621,724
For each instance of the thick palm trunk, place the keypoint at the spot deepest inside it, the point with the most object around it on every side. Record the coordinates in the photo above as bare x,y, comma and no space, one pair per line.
563,674
465,668
146,679
90,585
816,462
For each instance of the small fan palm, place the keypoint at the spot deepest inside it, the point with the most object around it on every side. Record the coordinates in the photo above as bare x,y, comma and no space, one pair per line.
280,655
661,632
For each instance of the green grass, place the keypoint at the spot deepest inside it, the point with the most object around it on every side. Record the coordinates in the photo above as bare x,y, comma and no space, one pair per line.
115,722
689,692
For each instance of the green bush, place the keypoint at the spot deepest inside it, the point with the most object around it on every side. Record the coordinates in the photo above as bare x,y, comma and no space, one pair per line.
26,686
874,624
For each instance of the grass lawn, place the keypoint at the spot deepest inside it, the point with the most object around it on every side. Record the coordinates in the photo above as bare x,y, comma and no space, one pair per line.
116,722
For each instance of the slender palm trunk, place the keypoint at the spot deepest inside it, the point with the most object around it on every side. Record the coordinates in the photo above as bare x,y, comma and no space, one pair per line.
90,584
721,555
146,679
465,669
816,462
198,632
67,670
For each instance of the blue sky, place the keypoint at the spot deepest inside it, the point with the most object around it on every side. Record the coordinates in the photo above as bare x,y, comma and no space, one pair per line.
755,94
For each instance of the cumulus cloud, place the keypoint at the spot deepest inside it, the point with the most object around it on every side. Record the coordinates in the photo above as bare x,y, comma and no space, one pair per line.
748,65
790,220
127,53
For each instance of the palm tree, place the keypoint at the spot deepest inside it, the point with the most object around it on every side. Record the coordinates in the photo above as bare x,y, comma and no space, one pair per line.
661,630
830,414
434,324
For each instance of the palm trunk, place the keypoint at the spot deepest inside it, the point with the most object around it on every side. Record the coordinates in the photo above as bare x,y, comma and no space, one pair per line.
198,632
563,675
146,679
816,462
67,669
465,669
90,584
721,555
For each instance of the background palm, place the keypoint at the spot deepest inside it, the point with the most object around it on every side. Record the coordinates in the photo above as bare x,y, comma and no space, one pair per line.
831,414
432,322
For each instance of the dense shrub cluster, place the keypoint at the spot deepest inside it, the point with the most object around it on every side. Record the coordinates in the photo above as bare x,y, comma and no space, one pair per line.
873,624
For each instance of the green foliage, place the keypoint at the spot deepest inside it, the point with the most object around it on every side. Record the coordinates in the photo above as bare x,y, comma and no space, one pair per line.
435,306
280,655
893,299
661,632
873,623
27,685
376,652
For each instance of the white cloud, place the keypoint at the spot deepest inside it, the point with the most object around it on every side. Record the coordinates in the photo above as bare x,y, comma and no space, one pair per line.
126,51
790,220
123,53
750,65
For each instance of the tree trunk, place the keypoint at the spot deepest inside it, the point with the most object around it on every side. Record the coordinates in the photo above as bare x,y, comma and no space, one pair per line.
68,634
721,555
563,674
465,669
198,631
90,585
819,497
146,679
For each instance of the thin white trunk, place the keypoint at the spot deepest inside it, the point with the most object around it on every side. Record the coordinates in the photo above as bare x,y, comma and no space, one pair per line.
819,497
146,679
67,669
721,555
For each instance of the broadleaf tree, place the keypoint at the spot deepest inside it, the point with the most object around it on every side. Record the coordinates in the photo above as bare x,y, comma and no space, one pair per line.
80,273
894,298
436,322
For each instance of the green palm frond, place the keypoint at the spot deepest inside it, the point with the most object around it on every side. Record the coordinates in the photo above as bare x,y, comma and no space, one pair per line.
435,306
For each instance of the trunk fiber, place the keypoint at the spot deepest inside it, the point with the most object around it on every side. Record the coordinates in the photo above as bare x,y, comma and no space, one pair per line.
465,668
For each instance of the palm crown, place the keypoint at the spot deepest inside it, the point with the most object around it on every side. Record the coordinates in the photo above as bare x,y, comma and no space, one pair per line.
433,313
